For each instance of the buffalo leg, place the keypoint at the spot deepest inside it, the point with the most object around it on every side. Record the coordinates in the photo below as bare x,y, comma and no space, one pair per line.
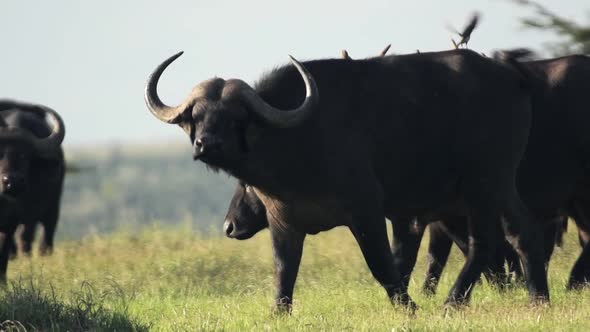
12,250
550,236
371,235
583,237
439,248
561,229
580,274
405,245
481,248
496,270
580,216
524,236
27,237
49,222
6,241
513,261
46,247
368,225
457,229
287,251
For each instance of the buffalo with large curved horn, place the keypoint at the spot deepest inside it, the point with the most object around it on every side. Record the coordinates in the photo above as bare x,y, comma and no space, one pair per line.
32,170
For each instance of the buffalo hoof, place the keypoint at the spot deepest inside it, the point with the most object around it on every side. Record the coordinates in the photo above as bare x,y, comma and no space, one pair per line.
405,301
578,283
46,251
283,306
456,302
429,289
539,300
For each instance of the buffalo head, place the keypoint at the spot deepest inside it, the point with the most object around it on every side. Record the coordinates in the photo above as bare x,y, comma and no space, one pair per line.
19,145
216,114
246,215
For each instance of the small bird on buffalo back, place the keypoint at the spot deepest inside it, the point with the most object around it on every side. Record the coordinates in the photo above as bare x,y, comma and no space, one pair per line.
466,34
345,55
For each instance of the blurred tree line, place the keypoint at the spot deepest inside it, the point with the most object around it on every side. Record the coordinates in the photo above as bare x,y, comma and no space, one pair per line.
108,189
574,36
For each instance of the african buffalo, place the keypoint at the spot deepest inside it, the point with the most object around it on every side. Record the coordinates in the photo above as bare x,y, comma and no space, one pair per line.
31,172
553,177
366,148
246,214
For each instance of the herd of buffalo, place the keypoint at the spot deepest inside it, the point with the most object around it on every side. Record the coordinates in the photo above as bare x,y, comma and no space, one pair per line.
491,153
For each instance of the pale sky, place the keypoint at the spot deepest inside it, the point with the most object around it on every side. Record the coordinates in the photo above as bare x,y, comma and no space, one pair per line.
89,59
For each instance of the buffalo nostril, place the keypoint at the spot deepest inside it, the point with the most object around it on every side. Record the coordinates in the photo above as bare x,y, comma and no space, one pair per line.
228,228
207,143
199,143
206,146
12,184
7,183
198,149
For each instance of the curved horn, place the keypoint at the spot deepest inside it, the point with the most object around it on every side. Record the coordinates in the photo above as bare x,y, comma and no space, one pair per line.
152,100
49,144
280,118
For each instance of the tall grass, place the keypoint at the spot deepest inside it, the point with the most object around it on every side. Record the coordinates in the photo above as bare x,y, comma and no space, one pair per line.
178,280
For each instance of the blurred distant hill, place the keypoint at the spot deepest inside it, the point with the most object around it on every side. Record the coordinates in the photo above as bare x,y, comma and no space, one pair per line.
131,186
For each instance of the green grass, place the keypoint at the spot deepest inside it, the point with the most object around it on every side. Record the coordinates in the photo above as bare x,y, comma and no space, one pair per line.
176,280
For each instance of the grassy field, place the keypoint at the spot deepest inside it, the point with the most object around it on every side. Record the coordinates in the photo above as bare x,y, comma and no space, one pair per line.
177,280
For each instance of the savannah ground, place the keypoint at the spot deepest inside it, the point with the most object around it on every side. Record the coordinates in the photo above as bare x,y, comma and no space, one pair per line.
176,279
